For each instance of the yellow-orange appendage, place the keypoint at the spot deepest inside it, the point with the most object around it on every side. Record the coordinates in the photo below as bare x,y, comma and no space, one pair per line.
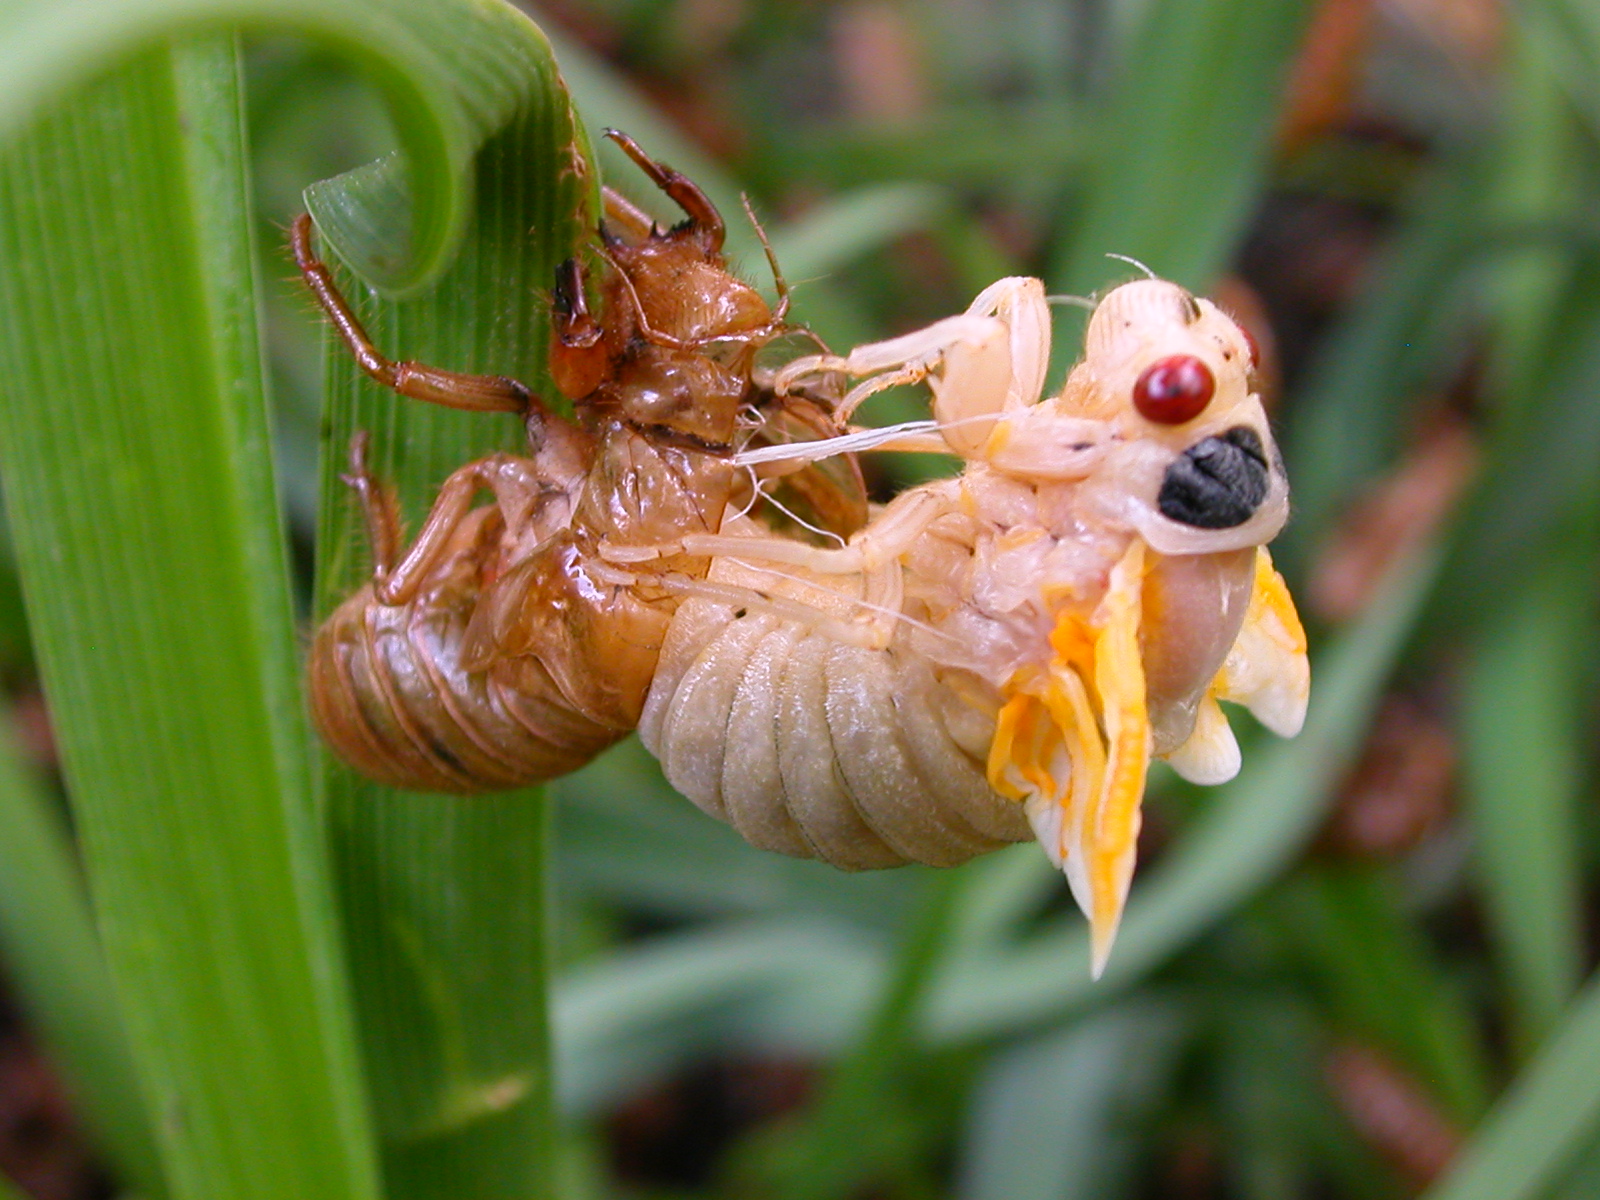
1073,743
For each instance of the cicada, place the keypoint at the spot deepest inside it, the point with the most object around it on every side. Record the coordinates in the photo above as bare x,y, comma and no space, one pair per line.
501,648
999,655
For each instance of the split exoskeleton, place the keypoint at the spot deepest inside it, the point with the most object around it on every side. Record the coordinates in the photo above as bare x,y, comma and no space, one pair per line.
999,655
501,649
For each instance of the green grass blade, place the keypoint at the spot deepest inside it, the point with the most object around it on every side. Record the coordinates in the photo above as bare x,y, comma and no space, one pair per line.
1523,781
1055,1117
1182,151
850,226
1252,830
133,443
828,1152
1347,421
53,962
452,72
1548,1116
445,898
1382,978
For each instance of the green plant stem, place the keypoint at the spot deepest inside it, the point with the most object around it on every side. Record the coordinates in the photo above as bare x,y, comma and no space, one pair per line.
445,897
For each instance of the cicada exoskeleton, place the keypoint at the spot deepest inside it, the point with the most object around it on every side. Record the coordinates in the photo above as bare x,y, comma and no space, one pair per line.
501,648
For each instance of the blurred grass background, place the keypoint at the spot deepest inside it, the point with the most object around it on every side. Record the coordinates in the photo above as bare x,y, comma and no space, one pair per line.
1359,971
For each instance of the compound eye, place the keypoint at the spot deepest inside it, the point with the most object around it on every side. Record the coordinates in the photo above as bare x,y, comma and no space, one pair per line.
1174,390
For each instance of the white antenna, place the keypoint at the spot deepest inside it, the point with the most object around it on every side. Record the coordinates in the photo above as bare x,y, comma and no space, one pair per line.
1148,273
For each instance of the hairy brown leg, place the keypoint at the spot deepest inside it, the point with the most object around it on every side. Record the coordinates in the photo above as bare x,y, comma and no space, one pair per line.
684,192
378,506
453,389
400,583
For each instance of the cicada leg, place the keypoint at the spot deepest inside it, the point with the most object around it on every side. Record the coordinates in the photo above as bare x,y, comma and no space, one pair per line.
453,389
514,482
378,506
874,553
990,359
684,192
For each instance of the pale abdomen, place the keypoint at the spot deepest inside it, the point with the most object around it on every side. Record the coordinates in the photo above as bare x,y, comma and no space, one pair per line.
818,748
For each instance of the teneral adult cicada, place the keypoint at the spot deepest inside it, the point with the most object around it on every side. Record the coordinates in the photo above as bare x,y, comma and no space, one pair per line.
501,648
999,655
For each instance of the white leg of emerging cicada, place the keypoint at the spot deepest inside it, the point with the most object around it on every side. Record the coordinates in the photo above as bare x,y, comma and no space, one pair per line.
988,360
873,554
1210,755
1266,670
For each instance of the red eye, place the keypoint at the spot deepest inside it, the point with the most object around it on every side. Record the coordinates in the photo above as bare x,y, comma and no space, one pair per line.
1174,390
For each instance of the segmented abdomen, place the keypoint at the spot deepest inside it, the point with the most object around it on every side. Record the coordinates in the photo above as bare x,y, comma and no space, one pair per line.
821,749
389,694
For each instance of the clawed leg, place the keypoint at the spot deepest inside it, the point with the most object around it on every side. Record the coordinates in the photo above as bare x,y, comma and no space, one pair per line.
453,389
625,215
683,191
396,579
378,506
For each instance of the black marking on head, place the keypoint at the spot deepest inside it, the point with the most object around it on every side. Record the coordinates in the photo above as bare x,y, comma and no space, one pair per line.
1190,307
1217,483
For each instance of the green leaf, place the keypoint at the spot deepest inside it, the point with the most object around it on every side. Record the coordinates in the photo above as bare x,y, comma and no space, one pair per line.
1546,1117
53,963
1383,978
451,73
1183,147
133,443
1349,417
825,1153
1523,781
1050,1117
445,898
846,227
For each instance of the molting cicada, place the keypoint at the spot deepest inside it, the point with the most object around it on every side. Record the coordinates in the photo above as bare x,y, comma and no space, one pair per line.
985,659
999,655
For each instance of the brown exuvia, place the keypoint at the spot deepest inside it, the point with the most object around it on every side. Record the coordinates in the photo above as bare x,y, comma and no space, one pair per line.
501,648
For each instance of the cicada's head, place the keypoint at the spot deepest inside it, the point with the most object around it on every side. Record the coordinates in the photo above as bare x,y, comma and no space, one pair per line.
1173,375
